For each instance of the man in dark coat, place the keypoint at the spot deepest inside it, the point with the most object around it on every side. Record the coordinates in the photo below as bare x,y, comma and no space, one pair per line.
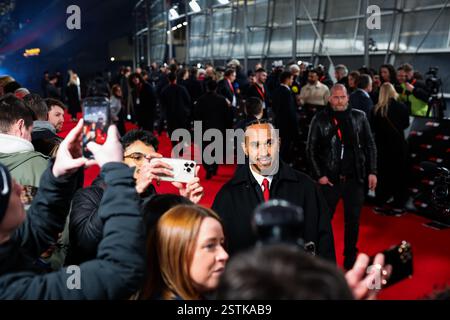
118,270
264,178
286,116
214,112
259,90
360,98
176,103
144,101
343,157
226,87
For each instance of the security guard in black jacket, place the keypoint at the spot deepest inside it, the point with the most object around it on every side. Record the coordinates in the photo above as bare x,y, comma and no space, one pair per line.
343,155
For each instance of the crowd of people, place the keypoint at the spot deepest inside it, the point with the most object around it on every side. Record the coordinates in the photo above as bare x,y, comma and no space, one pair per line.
328,140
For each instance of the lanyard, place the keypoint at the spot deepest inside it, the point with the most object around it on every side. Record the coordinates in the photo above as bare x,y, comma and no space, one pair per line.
231,86
262,93
339,133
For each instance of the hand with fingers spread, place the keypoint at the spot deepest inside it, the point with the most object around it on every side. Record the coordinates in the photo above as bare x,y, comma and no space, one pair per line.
69,157
193,189
110,151
151,170
366,281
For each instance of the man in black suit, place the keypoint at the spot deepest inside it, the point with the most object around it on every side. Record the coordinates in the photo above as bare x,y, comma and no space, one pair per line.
176,103
226,87
264,177
286,116
360,98
259,90
214,112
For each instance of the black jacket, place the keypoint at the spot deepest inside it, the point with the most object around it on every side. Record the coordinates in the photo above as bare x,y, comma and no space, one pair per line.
213,110
85,223
118,270
45,142
176,102
194,88
362,101
253,91
223,88
324,147
284,108
237,199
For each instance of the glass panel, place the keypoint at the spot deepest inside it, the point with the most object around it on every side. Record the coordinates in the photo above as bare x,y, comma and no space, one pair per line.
412,32
381,37
412,4
341,9
305,39
281,43
338,37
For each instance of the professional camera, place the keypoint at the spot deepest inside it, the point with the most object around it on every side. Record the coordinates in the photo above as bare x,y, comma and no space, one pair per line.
433,82
436,104
278,221
440,192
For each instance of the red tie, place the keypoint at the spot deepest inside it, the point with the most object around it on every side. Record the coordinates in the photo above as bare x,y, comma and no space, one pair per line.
265,185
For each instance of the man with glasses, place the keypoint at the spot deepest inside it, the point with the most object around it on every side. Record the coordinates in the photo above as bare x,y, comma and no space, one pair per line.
85,226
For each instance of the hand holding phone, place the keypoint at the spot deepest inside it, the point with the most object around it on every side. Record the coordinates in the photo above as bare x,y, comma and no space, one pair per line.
97,118
182,170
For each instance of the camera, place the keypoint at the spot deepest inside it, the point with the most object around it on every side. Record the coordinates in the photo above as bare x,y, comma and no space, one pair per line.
433,82
278,221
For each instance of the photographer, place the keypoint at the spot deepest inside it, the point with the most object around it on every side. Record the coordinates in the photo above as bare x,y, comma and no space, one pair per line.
413,91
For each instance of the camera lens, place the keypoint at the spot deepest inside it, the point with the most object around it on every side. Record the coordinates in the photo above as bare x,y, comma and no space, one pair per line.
186,164
191,165
188,169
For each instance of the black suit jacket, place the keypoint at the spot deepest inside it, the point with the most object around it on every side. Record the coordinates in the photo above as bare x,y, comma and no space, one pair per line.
225,90
212,109
359,100
285,113
238,198
252,91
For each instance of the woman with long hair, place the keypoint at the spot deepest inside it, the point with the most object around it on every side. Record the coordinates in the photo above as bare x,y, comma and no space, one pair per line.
73,95
389,121
186,255
388,74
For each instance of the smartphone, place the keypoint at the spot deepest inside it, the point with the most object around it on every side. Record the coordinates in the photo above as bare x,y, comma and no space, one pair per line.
400,257
183,170
97,118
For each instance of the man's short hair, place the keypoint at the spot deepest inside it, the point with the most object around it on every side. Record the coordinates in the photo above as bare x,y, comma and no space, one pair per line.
407,67
12,109
139,135
11,87
364,81
282,272
285,75
260,70
253,106
341,67
37,105
54,102
337,86
171,76
211,85
294,67
229,72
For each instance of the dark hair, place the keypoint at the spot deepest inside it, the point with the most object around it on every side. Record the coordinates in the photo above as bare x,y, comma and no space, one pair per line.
11,87
37,105
12,109
364,81
392,73
153,208
54,102
171,76
139,135
132,76
53,77
253,106
211,85
282,272
285,75
260,70
229,72
193,72
407,67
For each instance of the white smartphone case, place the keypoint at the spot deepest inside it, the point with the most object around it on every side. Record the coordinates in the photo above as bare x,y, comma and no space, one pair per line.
183,170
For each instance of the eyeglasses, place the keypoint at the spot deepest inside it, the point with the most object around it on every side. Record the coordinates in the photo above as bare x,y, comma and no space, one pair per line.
137,157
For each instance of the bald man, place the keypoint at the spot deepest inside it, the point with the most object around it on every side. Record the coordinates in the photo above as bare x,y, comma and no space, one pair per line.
265,177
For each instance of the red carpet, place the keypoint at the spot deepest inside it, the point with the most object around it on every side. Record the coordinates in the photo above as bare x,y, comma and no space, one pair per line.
430,247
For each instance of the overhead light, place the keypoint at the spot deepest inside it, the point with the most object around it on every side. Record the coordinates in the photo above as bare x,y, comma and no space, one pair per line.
168,31
113,59
174,28
173,14
195,6
179,25
185,23
224,1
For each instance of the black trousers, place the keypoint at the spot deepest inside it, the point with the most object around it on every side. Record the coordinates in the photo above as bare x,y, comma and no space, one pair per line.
352,193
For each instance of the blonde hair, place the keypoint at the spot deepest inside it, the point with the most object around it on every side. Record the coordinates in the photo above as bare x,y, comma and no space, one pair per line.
170,253
387,92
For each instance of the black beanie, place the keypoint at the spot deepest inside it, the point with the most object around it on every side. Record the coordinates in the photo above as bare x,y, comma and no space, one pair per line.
5,190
